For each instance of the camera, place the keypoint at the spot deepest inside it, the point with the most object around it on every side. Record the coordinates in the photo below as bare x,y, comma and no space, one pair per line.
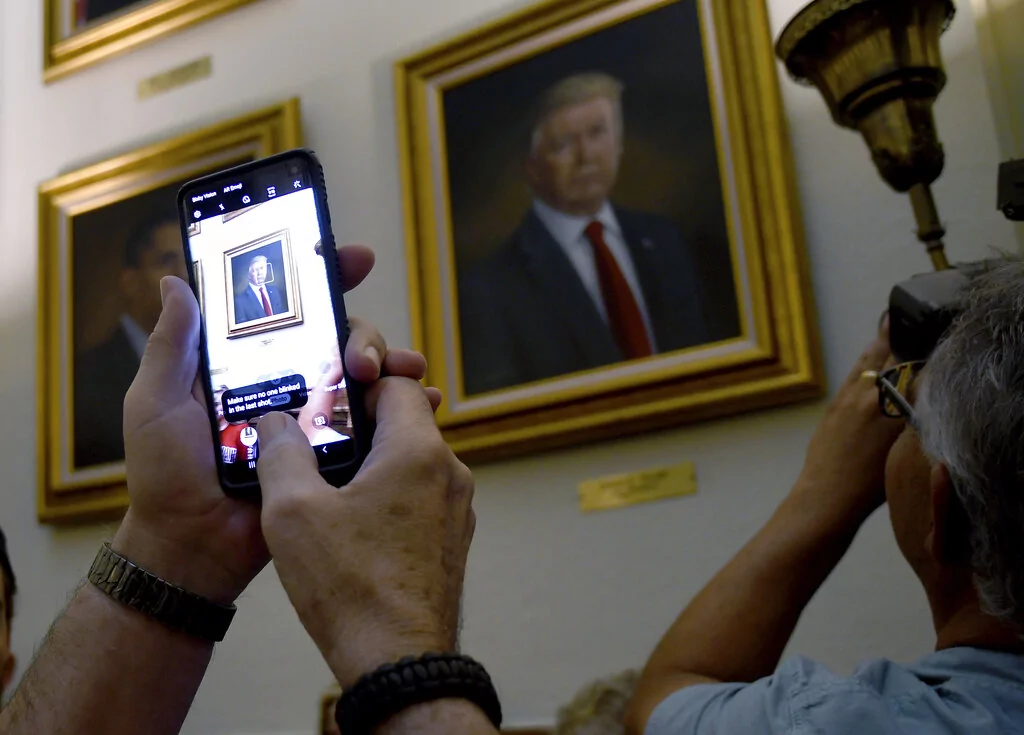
921,309
1011,190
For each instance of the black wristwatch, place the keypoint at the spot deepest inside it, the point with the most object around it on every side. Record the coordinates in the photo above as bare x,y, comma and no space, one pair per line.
392,688
156,598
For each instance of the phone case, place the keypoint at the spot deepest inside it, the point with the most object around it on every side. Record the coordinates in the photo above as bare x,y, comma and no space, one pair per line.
362,430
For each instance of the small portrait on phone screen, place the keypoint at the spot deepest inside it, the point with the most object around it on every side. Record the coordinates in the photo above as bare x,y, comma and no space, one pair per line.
261,286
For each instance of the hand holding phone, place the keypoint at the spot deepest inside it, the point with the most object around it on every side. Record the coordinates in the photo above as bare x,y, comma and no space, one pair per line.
262,262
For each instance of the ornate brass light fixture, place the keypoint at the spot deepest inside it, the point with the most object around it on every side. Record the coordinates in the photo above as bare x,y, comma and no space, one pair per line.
878,65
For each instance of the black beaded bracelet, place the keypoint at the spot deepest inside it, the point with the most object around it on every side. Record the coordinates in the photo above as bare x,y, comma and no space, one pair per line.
383,693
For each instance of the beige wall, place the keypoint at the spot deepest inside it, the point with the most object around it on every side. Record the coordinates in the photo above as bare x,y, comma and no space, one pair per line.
553,598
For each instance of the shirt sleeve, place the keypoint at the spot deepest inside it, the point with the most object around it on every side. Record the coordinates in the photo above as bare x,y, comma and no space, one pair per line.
764,707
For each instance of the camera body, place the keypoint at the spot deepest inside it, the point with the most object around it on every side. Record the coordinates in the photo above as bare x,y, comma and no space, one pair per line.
922,308
1011,190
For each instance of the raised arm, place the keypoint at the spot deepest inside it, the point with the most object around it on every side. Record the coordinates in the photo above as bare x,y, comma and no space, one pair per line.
375,570
104,667
736,629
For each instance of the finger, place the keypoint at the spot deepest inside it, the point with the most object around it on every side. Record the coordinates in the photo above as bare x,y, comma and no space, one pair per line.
395,404
435,397
883,331
286,460
197,391
405,364
171,360
355,263
873,357
364,352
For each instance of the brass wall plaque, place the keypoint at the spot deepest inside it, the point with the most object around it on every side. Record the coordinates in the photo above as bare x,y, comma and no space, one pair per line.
617,491
179,76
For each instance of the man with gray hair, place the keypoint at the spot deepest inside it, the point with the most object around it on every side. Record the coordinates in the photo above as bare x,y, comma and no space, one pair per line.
946,452
582,283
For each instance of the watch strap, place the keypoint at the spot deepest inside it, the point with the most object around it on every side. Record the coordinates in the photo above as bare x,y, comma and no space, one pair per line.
177,608
385,692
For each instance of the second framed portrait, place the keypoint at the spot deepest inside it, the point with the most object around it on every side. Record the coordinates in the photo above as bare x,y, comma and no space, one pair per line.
79,33
108,233
602,228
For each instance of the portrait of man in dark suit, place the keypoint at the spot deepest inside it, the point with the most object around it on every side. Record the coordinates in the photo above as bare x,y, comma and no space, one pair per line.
104,372
260,298
582,282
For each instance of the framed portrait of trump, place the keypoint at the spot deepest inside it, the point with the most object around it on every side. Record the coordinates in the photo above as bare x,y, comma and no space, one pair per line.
602,228
261,286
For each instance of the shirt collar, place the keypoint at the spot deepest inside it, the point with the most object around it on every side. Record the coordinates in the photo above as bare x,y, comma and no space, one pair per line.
568,228
137,336
977,662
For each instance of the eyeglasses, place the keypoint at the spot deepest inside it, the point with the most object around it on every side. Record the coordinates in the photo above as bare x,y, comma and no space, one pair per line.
893,384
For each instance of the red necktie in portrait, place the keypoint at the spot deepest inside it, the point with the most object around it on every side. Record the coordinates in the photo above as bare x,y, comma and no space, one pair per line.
624,317
266,301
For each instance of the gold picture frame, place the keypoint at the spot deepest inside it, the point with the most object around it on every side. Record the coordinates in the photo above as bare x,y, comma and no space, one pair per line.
92,289
328,701
771,358
68,49
200,284
278,247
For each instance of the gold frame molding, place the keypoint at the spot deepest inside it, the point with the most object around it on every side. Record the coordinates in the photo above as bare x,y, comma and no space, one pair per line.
122,33
65,494
782,362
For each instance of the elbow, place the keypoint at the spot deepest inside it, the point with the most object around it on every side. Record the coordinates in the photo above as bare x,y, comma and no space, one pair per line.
641,706
637,714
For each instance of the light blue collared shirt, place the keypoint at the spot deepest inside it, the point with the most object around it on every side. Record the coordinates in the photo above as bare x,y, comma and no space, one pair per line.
951,692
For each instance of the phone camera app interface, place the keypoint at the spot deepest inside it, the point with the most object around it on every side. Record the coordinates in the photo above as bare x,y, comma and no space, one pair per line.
266,306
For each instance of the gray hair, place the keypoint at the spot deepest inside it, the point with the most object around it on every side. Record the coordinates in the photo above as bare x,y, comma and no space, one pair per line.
575,90
971,411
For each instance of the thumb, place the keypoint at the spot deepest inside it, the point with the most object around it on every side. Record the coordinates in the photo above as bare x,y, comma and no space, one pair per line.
286,462
171,360
397,404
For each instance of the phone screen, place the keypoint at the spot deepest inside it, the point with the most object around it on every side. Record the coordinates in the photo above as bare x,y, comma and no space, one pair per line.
269,323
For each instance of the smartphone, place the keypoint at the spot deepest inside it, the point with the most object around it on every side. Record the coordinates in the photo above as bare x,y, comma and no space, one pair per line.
263,266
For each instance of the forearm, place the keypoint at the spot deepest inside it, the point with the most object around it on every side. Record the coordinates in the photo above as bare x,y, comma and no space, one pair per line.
737,627
105,668
444,717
